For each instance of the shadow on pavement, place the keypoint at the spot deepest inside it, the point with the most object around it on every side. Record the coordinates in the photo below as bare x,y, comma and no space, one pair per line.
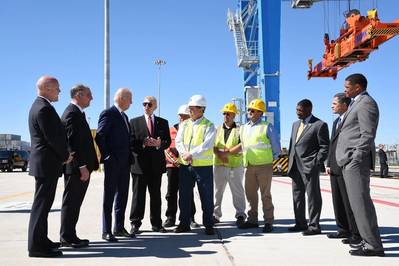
147,245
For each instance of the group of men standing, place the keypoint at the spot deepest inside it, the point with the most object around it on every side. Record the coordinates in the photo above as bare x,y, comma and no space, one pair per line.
198,153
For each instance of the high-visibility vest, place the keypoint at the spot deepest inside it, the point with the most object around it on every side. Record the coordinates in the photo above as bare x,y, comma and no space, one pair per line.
234,160
256,146
191,141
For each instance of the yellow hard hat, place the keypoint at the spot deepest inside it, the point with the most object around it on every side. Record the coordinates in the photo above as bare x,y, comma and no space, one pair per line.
229,108
257,104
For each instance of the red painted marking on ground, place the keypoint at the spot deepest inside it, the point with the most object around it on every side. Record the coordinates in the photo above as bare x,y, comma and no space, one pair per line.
371,185
383,202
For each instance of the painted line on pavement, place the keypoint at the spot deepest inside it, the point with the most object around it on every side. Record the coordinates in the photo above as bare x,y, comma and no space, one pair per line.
371,185
7,197
383,202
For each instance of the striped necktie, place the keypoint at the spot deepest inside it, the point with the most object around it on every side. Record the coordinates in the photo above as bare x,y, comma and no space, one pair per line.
300,130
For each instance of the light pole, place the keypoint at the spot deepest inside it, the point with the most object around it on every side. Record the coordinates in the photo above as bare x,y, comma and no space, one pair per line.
159,62
106,55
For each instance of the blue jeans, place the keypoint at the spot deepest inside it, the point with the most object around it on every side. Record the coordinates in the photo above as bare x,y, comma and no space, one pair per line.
203,175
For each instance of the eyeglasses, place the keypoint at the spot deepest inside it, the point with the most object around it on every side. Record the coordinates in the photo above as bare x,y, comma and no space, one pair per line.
251,111
149,104
227,114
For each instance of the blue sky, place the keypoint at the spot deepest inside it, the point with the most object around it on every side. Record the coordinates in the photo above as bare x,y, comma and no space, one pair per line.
64,38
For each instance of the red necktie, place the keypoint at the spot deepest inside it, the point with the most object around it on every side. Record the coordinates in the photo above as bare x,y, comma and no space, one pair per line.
149,126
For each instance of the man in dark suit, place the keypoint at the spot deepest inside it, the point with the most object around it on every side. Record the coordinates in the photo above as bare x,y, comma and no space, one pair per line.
345,221
77,173
382,156
48,154
113,140
150,137
308,151
355,154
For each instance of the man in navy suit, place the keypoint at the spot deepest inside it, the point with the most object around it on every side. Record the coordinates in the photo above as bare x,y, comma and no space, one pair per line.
48,154
113,140
77,173
150,137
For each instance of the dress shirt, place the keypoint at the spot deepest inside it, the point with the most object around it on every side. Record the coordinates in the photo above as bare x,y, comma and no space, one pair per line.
270,134
209,139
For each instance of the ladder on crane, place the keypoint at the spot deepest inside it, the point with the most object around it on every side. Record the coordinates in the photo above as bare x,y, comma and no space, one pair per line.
246,57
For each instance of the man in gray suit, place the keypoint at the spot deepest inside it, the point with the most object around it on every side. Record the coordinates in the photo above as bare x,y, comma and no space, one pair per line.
355,154
308,151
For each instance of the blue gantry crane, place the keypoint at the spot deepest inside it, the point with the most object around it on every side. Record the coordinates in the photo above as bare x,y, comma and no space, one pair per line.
256,29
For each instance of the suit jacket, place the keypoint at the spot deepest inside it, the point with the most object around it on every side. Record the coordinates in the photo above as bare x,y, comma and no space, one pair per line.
331,160
113,137
149,158
48,140
357,134
79,139
312,147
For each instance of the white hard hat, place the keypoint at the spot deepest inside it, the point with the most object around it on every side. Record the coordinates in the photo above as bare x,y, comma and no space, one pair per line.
183,110
197,100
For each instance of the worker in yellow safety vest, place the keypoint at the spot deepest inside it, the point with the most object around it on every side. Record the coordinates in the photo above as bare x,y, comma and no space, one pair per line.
172,171
259,146
227,165
194,142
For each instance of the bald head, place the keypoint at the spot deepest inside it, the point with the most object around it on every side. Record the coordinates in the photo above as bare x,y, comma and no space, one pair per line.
48,87
123,98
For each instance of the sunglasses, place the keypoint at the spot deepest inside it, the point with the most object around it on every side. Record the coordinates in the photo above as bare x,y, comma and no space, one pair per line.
251,111
226,114
149,104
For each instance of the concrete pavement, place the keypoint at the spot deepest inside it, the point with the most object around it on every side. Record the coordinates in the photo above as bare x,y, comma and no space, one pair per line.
230,246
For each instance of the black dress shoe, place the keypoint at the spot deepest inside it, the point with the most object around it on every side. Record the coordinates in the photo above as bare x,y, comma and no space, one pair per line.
194,224
134,230
339,235
182,228
247,225
169,222
52,244
109,237
240,221
268,228
357,245
45,254
215,220
209,230
311,232
75,243
297,228
351,240
367,252
124,233
159,229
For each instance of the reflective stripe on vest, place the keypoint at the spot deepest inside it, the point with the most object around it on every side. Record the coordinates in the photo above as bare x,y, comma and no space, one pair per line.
235,160
256,146
191,142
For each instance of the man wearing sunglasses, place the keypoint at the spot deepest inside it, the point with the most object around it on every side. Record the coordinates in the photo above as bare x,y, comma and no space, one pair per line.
150,137
227,163
260,147
194,142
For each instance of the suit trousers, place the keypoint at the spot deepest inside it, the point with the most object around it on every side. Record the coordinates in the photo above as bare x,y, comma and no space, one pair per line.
116,188
357,182
259,177
151,180
384,169
309,183
171,194
74,193
45,188
203,176
343,213
234,177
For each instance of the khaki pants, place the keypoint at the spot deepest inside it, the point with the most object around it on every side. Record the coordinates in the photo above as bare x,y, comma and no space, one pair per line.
259,177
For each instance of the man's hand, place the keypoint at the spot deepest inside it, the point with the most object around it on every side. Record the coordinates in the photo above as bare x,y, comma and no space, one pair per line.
70,158
328,170
84,174
187,157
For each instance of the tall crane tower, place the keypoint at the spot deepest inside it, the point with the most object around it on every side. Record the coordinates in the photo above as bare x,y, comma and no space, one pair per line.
256,29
